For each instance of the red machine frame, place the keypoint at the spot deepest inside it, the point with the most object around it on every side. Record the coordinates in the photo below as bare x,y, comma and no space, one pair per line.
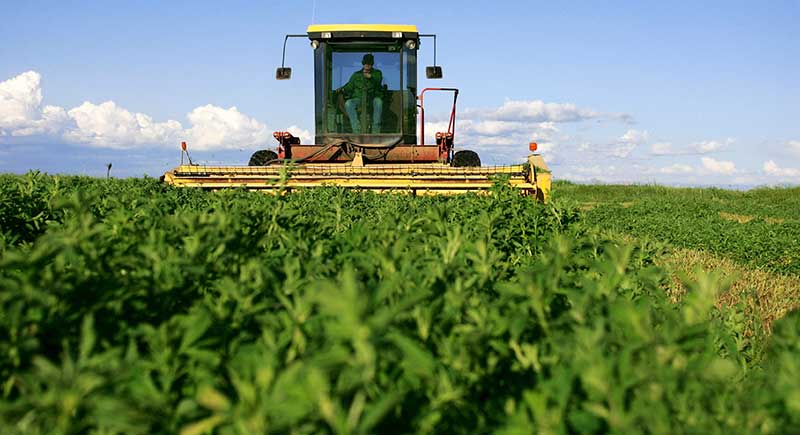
289,146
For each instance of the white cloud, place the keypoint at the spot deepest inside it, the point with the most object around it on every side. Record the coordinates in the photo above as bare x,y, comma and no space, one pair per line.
676,169
21,111
495,128
217,128
623,150
500,130
710,146
772,169
702,147
533,111
718,166
20,99
108,125
794,145
51,120
634,137
661,148
628,142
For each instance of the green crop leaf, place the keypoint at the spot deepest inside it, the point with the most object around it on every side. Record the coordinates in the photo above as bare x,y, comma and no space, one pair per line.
88,338
204,426
417,361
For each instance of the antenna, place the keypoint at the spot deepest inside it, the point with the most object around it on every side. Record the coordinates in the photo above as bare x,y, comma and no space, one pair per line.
314,12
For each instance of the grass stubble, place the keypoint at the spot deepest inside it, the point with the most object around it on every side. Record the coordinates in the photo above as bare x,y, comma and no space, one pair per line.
763,289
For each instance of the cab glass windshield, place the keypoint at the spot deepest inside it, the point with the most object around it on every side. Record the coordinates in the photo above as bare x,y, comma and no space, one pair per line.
364,92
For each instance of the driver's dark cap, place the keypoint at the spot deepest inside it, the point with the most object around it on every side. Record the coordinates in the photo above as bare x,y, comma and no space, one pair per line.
368,59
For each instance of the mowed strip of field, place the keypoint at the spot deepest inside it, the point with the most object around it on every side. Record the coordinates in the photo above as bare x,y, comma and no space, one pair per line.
752,238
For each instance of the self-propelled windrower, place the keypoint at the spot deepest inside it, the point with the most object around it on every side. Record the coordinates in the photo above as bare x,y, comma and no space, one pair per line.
367,109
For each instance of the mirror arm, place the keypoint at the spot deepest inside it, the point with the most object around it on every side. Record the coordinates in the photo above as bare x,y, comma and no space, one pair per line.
431,35
283,58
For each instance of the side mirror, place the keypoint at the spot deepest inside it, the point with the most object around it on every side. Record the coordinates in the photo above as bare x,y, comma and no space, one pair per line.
433,72
283,74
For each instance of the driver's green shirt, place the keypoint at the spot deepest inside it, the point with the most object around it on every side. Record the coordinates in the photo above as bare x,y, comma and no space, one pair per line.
359,85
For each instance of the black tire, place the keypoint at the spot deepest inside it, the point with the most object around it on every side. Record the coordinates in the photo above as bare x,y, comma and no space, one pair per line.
262,158
465,159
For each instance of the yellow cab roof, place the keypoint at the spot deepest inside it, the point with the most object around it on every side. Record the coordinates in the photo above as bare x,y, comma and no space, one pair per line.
315,28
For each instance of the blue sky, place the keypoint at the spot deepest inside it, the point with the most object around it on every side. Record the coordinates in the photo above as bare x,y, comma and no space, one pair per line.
668,92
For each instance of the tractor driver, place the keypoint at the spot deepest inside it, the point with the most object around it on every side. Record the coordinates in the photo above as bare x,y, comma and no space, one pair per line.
366,82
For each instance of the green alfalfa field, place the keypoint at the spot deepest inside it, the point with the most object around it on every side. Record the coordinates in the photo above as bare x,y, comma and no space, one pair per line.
128,306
